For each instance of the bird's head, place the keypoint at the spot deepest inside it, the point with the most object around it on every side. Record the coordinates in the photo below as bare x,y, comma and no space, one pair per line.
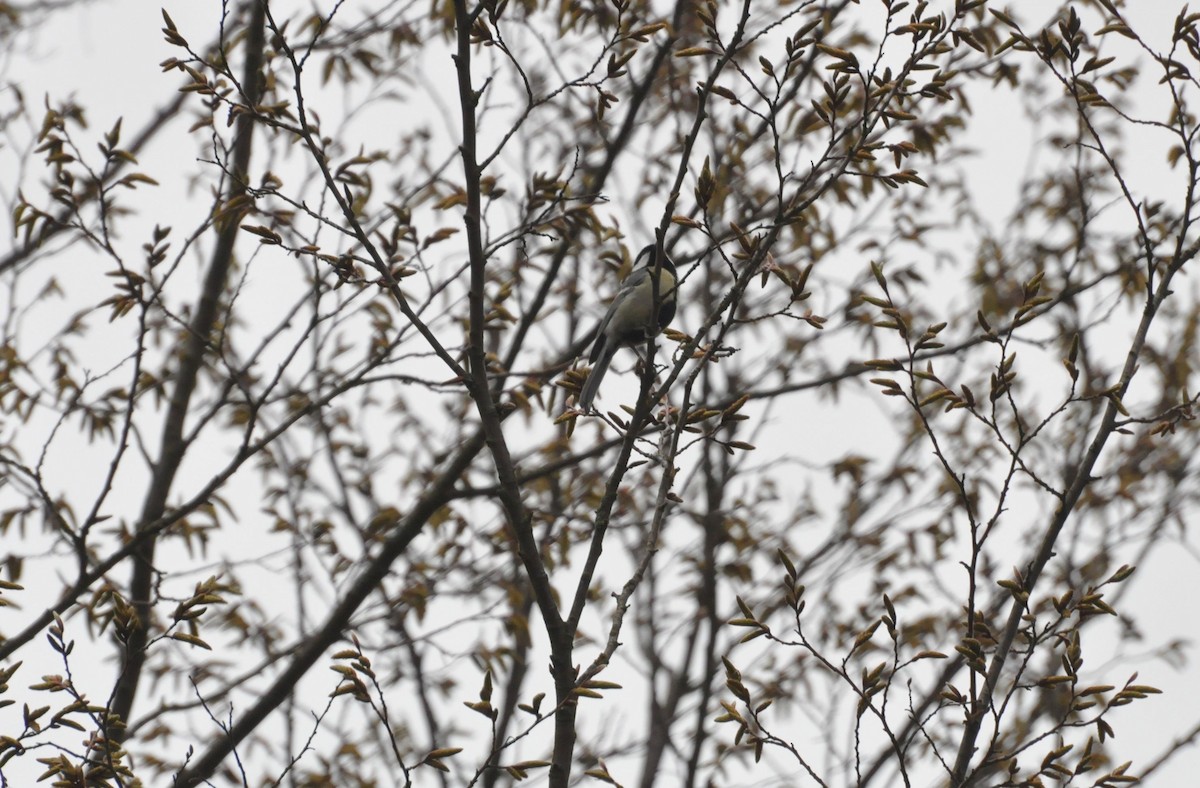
649,256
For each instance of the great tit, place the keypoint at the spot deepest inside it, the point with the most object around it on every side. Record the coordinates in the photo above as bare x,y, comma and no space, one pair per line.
630,317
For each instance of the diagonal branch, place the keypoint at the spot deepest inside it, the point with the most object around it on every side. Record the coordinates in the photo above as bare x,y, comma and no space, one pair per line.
1081,478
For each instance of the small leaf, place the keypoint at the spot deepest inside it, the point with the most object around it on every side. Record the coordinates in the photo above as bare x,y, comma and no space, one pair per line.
190,639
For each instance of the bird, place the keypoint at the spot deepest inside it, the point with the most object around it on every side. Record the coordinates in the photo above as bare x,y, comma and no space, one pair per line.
629,317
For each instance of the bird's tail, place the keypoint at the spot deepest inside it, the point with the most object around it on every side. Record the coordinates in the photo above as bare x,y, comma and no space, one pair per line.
592,384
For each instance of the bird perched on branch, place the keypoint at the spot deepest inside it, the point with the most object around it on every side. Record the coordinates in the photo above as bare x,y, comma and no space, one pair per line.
642,307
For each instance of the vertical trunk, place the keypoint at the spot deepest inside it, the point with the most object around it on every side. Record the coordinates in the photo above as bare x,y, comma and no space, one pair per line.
172,448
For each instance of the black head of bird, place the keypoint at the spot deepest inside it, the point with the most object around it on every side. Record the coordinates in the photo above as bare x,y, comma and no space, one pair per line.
643,306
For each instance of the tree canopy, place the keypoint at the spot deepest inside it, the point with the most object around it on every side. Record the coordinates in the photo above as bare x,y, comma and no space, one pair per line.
293,485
